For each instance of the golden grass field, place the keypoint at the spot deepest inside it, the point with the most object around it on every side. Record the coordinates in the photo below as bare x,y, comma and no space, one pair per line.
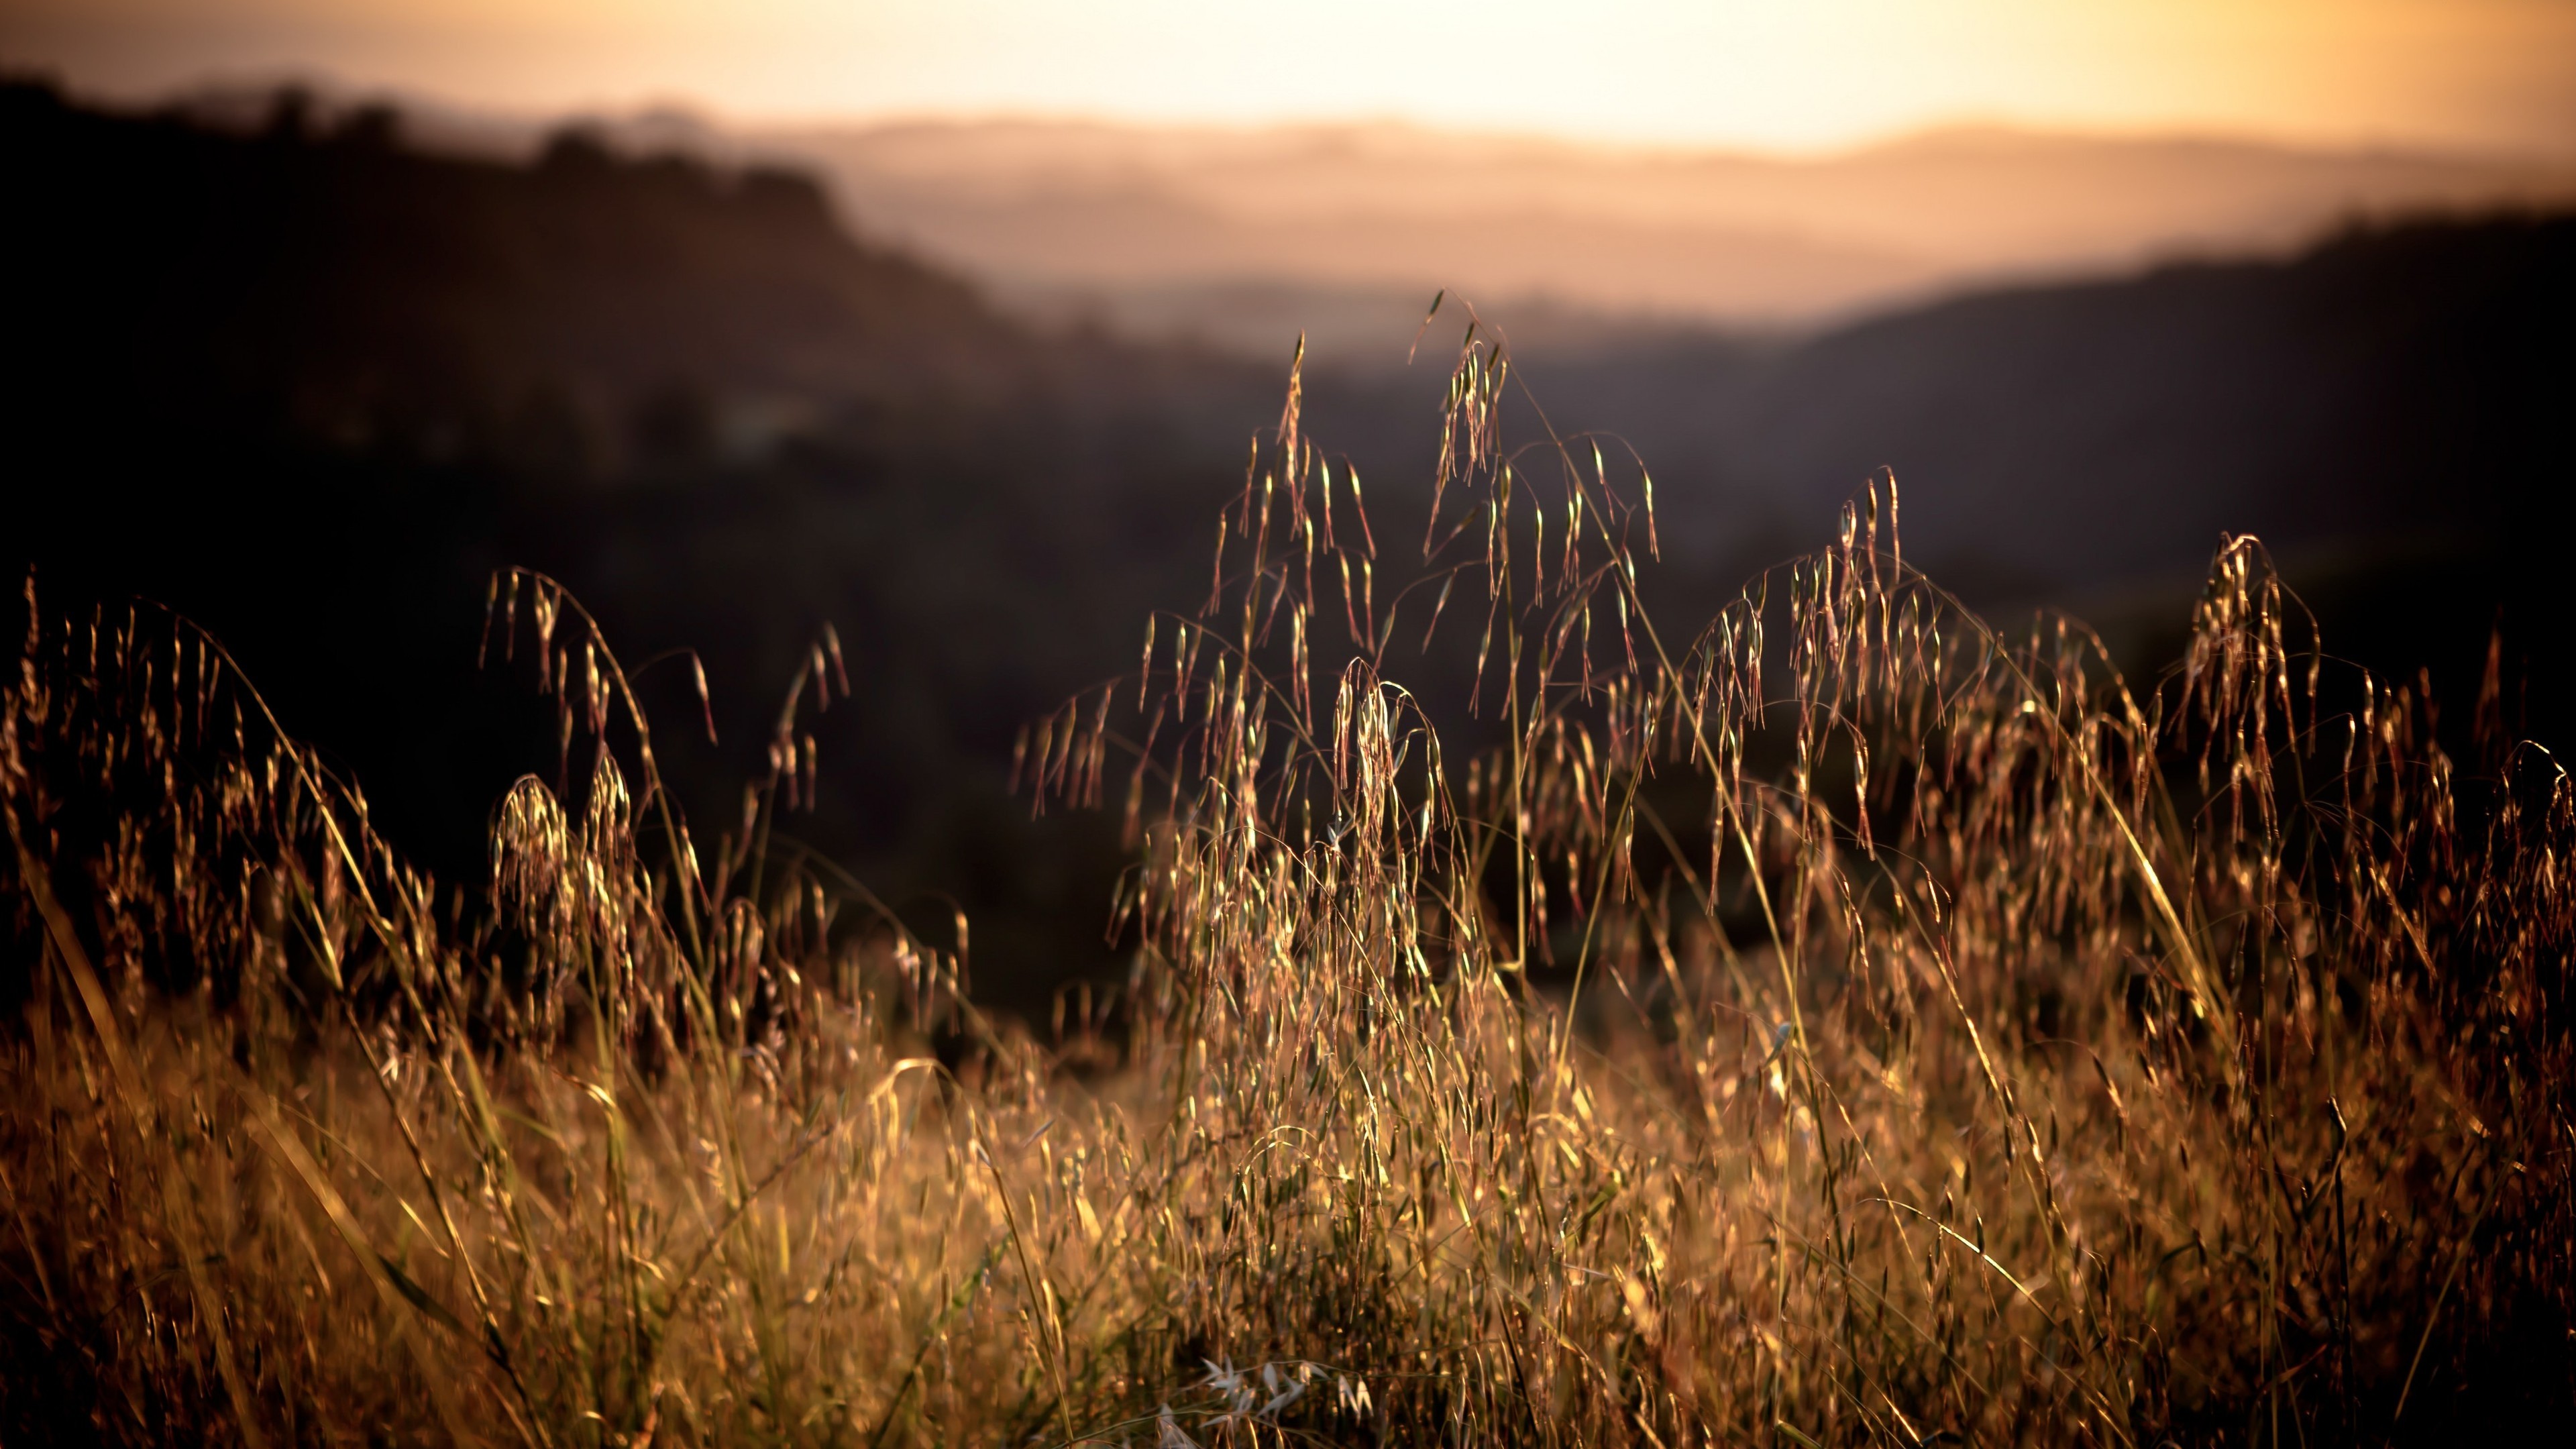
1844,1023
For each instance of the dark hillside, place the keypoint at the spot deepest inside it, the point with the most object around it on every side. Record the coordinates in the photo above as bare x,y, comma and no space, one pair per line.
368,291
311,387
2393,380
2394,414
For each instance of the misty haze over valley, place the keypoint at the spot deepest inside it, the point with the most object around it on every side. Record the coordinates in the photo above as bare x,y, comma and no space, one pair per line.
1241,237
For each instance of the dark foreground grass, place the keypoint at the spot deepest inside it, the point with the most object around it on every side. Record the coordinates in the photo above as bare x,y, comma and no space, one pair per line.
1844,1024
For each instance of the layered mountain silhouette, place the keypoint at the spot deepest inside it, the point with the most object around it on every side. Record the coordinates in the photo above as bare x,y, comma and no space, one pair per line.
1201,231
1239,236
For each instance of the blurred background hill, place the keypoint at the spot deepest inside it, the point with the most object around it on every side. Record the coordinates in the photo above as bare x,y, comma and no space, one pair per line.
1238,236
1202,232
972,394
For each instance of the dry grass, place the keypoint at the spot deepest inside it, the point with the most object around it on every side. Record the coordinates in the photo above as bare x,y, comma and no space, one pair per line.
1844,1025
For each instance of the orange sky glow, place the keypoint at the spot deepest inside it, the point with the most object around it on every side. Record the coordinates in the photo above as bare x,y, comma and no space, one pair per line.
1764,73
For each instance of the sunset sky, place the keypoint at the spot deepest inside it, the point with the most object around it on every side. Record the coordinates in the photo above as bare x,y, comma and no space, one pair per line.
2489,73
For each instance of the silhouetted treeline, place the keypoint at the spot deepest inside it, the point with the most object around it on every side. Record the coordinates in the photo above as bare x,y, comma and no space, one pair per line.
310,388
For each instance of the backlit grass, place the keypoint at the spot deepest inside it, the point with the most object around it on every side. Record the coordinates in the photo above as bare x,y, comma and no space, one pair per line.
1843,1023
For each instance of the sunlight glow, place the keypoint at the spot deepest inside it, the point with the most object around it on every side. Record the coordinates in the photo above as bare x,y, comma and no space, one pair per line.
1758,72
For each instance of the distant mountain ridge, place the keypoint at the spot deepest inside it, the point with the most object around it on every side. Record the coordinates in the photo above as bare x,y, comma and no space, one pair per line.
1067,215
1239,236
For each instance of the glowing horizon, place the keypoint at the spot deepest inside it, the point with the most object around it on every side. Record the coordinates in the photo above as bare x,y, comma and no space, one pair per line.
2492,74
